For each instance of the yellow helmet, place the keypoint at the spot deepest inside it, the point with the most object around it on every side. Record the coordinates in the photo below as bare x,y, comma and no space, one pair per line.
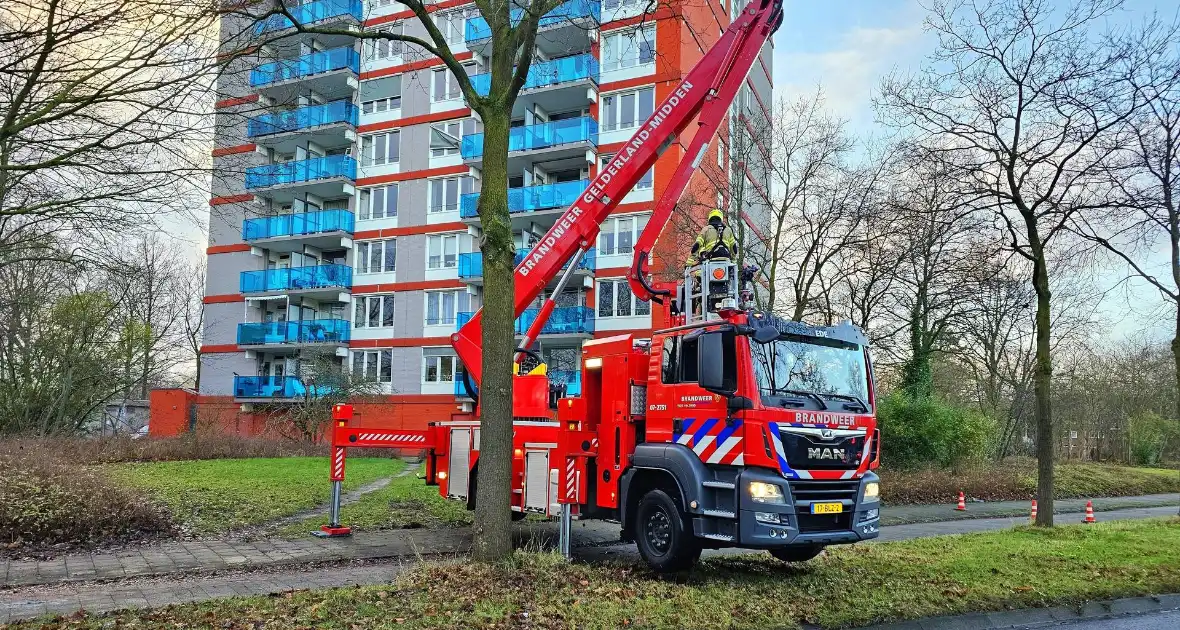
716,214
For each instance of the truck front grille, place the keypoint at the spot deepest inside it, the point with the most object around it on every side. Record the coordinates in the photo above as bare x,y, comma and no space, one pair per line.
824,490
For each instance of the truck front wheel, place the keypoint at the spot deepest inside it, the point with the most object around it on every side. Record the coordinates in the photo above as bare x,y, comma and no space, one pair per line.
662,534
801,553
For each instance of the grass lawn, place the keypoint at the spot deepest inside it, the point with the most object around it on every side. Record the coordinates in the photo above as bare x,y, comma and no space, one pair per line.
407,502
1016,479
849,586
216,495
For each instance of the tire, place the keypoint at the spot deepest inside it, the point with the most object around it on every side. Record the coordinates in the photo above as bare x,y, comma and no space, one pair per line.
665,541
800,553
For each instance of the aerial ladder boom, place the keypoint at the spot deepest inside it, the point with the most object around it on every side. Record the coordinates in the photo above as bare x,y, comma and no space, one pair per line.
707,90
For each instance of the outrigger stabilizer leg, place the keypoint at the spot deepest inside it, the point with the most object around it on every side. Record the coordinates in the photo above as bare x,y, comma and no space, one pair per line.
340,417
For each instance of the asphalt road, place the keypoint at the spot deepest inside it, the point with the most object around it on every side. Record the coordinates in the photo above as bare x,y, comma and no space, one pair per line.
1167,620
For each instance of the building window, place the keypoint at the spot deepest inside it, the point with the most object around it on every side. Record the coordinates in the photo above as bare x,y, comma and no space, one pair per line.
445,192
446,138
614,4
373,365
616,300
453,24
442,250
372,311
619,234
443,306
439,365
625,110
644,183
376,256
444,86
381,148
628,48
379,202
381,104
377,49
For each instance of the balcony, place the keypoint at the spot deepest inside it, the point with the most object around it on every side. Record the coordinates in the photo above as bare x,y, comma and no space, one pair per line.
273,387
529,198
329,223
559,133
326,331
471,265
311,13
564,320
282,130
462,317
574,16
318,169
331,73
548,74
297,279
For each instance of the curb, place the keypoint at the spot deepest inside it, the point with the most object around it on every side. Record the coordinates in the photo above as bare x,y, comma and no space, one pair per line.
1043,617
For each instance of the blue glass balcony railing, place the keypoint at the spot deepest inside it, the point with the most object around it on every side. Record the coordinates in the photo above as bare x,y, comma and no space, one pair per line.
305,66
296,278
298,224
529,198
460,388
298,171
543,136
303,118
310,13
571,378
471,265
286,333
275,387
547,73
564,320
477,28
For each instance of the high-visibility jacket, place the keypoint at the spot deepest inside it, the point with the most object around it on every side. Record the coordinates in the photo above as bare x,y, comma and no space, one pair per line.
713,243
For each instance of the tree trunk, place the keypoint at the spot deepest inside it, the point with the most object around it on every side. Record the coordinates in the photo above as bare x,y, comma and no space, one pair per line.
1042,382
492,529
1176,361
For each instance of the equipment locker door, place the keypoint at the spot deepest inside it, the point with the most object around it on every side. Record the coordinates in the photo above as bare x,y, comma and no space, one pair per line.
459,462
536,481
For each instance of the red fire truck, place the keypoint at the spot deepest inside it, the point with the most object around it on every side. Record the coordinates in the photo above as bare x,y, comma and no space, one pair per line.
727,428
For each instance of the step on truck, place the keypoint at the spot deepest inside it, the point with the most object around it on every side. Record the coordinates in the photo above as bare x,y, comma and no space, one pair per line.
726,428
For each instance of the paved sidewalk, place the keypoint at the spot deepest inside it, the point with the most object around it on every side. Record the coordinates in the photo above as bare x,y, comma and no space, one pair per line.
904,514
64,599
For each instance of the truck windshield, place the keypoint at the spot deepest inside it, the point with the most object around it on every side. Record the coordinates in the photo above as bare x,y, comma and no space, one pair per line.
795,370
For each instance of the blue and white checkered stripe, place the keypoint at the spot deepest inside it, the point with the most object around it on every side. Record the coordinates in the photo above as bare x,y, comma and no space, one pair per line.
786,469
700,435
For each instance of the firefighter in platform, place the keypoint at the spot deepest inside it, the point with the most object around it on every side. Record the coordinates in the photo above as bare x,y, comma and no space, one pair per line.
715,242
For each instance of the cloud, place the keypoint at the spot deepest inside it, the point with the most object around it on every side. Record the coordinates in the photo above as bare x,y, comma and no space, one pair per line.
851,71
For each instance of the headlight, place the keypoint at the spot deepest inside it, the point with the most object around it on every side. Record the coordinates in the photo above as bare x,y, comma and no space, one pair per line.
762,492
872,489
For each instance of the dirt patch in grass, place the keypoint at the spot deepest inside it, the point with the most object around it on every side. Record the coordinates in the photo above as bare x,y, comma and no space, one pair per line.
845,587
48,506
406,503
1014,480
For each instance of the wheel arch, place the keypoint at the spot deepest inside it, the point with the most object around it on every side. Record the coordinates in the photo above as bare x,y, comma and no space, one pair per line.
673,468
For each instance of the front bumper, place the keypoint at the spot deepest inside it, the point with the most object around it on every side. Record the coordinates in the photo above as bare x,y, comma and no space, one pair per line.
762,525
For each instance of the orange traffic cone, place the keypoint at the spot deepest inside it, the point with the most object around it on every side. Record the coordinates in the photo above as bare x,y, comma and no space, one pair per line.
1089,513
962,506
1033,518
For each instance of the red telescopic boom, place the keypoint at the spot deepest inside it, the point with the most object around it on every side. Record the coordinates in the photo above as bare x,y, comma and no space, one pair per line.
707,90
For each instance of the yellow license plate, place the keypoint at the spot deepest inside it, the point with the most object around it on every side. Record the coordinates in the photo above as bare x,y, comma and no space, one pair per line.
827,508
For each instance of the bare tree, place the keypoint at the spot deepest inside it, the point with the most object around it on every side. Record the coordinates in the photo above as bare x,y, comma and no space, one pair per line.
192,317
1013,103
807,148
103,120
1146,172
324,384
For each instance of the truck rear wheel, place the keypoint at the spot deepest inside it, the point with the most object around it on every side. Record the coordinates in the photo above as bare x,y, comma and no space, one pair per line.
800,553
662,534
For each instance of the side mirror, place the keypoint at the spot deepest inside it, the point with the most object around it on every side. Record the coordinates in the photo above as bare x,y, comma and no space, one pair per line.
717,363
765,334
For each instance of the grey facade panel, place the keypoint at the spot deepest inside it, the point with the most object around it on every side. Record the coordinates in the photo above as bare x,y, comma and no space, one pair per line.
407,370
221,323
218,370
224,272
225,222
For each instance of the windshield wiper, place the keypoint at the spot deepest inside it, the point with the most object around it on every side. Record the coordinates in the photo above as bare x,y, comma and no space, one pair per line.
853,399
800,392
